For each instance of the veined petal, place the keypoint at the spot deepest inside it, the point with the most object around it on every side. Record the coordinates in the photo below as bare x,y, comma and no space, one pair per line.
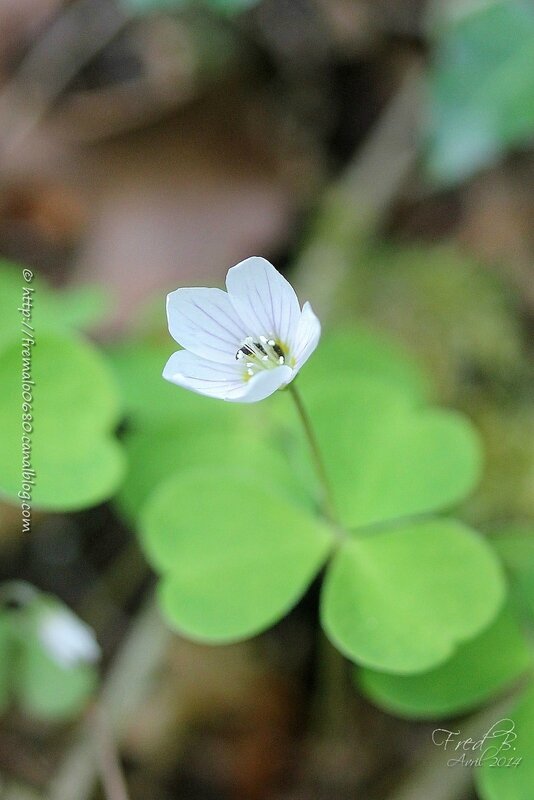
263,299
261,385
205,322
306,337
203,376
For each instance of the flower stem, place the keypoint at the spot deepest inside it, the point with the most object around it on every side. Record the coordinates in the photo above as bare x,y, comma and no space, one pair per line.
329,703
328,499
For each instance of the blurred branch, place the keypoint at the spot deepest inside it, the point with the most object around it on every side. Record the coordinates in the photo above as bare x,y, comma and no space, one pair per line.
81,31
354,207
124,690
203,46
108,758
12,791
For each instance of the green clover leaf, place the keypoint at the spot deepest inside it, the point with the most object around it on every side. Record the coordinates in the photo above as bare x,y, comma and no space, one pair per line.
389,458
494,780
360,353
235,554
192,442
515,546
478,670
403,599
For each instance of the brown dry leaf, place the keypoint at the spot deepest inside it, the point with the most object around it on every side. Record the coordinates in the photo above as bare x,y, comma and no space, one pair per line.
174,204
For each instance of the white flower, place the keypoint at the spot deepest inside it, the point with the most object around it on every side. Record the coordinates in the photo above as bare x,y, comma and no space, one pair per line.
244,344
67,639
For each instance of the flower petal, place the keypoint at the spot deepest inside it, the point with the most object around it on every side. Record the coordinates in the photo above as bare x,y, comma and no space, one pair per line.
223,381
203,376
205,322
261,385
264,300
306,337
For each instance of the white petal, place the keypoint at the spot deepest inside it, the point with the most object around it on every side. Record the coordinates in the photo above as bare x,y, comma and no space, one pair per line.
264,300
67,639
200,375
307,336
261,385
204,321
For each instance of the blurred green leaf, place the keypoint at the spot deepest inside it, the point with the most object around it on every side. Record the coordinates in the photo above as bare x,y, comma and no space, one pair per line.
495,781
148,6
402,600
515,546
194,443
39,683
47,690
480,669
77,461
387,458
481,87
79,307
236,555
223,6
358,352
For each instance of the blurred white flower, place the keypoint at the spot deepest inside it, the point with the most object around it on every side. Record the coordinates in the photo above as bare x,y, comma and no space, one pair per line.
244,344
67,640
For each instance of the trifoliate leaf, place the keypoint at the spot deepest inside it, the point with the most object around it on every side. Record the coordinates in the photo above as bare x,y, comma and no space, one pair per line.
236,555
404,599
480,669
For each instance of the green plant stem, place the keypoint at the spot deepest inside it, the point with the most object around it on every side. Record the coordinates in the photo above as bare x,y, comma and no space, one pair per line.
329,707
328,499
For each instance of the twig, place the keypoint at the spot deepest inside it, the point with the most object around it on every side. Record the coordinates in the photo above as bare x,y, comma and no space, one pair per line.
81,31
124,690
354,207
12,791
107,758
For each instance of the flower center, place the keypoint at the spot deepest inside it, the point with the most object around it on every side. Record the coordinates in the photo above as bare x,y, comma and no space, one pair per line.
266,353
